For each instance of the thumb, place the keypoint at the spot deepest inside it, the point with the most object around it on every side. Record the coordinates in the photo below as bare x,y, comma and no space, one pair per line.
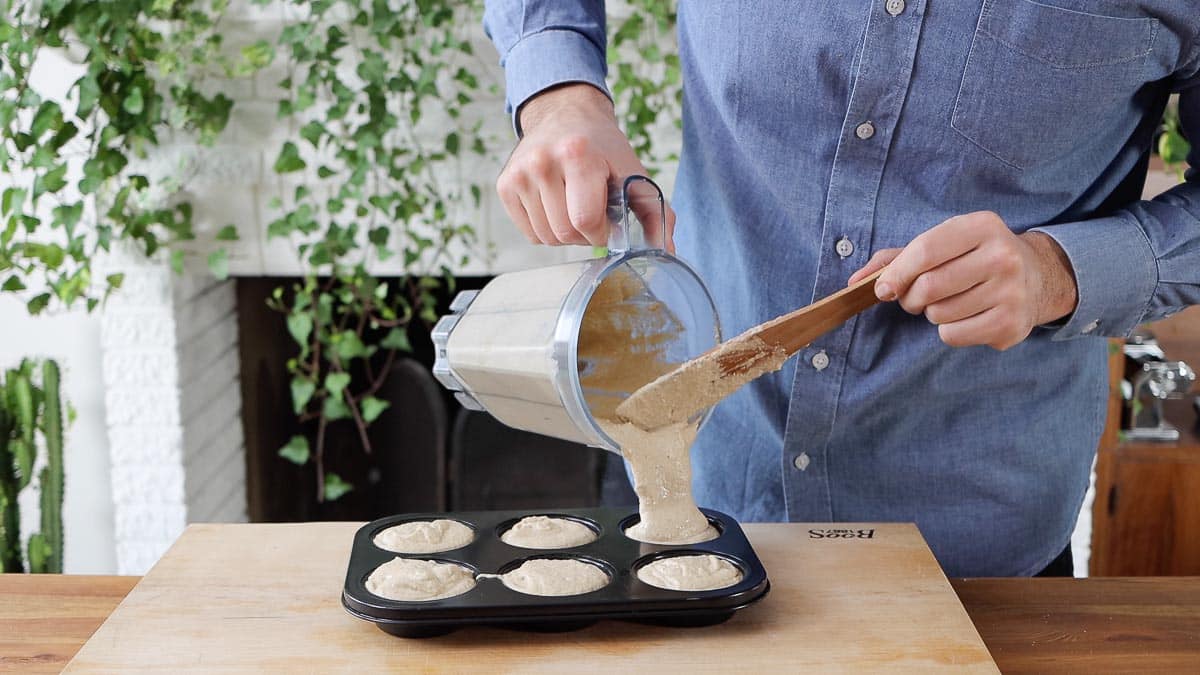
876,263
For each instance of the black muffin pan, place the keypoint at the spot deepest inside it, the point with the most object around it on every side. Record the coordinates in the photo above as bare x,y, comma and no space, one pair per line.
492,603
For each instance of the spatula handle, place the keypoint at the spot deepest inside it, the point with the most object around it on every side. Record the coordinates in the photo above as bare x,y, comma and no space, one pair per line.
798,329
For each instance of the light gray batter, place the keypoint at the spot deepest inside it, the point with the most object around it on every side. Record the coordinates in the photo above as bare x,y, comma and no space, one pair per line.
700,572
547,532
425,536
419,580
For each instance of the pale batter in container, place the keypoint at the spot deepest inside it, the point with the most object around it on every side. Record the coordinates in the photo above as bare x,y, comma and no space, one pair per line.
419,580
548,576
425,536
545,532
700,572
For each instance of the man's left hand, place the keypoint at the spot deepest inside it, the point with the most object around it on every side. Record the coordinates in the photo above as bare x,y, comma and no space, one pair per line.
979,282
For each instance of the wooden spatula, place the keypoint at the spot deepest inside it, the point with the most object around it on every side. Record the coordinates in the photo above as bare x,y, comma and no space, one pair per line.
710,377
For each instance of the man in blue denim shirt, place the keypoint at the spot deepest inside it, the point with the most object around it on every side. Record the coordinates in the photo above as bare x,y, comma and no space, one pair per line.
992,152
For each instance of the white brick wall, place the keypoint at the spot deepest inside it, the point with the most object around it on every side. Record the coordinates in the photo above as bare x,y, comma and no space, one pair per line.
137,336
173,406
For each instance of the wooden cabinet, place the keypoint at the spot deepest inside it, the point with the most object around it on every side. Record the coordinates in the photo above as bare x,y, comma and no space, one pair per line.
1146,516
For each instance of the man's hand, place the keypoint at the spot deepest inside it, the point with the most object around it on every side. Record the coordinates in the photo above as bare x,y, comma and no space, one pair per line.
555,184
977,280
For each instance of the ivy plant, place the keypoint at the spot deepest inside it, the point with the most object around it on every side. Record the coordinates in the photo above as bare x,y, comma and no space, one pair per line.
1173,148
379,97
374,164
145,63
380,100
646,81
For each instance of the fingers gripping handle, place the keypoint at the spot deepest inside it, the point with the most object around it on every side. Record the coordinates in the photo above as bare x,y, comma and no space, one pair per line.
637,215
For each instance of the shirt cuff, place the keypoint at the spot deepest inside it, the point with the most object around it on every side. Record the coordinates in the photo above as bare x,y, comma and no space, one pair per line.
548,58
1116,275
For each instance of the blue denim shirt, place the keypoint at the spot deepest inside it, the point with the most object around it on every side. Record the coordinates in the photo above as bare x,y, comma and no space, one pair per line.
818,132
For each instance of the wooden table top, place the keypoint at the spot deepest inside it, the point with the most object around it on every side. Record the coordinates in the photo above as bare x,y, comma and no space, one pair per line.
1030,625
872,601
46,618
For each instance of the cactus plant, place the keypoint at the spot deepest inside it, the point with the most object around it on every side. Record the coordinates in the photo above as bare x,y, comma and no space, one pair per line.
10,515
51,478
25,410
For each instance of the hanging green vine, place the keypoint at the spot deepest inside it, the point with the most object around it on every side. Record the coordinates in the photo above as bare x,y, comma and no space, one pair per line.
380,100
646,80
377,159
378,96
144,65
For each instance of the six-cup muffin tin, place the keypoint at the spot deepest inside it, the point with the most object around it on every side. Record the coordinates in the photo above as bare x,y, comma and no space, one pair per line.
492,603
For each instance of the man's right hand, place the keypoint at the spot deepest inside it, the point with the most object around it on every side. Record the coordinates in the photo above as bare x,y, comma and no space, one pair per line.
555,184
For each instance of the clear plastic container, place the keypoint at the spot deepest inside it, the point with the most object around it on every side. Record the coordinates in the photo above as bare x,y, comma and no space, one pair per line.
513,348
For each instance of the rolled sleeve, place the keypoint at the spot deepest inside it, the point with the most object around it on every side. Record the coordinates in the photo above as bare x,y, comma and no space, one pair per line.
546,59
1116,274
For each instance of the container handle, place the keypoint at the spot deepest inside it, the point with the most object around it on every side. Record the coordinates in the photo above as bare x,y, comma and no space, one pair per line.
626,212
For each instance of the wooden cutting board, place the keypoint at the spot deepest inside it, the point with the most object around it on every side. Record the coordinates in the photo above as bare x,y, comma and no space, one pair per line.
267,598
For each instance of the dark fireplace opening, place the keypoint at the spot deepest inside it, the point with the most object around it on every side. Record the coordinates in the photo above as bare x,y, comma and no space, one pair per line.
430,454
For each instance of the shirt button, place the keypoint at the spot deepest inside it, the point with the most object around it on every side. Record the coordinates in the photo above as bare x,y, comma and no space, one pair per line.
802,461
894,7
844,247
820,360
864,130
1090,327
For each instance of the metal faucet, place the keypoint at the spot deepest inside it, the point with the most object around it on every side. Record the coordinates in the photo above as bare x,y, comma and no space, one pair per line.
1157,381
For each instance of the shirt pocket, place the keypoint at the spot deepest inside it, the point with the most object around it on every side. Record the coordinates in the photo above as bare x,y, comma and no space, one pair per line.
1038,76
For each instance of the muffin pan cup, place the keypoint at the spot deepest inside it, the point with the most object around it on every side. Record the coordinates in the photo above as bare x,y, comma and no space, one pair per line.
490,602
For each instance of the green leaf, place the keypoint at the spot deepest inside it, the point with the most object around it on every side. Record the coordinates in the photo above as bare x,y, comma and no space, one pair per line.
177,261
372,407
12,200
350,346
466,77
38,303
50,255
335,409
65,133
300,326
302,392
257,56
1173,147
396,338
68,215
45,117
115,280
312,132
296,451
335,384
452,143
218,264
13,284
289,159
89,95
228,233
51,181
335,487
133,103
